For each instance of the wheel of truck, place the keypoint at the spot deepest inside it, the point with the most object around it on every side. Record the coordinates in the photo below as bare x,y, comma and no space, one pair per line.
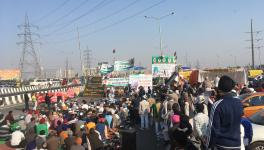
257,146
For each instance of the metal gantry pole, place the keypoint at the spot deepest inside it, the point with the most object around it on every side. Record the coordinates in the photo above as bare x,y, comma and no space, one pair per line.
158,19
161,52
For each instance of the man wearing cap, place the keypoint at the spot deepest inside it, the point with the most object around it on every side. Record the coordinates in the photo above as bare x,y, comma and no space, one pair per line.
224,123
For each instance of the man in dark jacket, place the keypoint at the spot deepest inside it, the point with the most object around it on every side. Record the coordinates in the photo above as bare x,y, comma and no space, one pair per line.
224,124
47,100
26,98
94,140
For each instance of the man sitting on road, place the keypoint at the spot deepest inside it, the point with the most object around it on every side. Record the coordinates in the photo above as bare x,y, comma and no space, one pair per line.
17,139
9,119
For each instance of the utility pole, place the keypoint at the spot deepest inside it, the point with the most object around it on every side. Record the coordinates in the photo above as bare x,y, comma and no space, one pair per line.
67,69
79,47
158,19
252,39
252,44
29,62
259,54
197,64
114,56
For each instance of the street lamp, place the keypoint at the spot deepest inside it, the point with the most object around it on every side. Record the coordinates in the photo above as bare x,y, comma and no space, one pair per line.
158,21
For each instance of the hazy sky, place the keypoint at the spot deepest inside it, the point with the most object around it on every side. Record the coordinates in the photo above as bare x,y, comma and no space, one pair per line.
211,32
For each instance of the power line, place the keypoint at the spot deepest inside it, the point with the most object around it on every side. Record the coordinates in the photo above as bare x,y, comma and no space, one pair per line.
66,15
124,19
97,7
115,23
103,18
52,11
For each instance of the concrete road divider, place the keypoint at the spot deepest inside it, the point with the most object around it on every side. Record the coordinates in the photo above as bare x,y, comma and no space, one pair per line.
13,96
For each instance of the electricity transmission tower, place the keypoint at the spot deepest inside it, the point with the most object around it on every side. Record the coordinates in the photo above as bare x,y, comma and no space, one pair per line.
87,61
29,62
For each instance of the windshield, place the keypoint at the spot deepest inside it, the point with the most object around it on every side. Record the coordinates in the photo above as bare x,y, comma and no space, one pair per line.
243,96
258,118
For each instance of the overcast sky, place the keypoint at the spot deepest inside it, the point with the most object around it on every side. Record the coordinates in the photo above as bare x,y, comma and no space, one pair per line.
211,32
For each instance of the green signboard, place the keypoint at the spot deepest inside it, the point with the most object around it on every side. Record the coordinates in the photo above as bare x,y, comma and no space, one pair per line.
163,60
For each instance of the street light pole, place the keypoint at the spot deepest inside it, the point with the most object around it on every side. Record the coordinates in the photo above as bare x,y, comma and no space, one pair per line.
158,19
160,38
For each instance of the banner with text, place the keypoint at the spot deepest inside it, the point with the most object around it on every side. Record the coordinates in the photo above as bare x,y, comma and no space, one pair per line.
138,80
10,74
163,60
116,82
163,66
124,65
163,70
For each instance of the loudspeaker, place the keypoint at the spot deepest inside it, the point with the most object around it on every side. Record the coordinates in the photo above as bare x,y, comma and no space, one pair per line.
128,139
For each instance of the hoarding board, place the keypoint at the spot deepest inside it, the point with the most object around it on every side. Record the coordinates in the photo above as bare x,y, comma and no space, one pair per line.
116,82
13,74
163,66
138,80
124,65
163,70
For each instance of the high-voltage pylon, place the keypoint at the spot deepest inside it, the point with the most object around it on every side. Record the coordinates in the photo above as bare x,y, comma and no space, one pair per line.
87,61
29,62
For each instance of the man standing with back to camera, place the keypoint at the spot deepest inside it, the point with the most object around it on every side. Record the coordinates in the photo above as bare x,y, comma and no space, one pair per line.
224,125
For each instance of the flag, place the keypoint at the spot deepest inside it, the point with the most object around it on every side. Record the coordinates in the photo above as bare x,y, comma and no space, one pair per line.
175,55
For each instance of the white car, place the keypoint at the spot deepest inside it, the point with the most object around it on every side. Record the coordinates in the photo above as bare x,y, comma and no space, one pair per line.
38,82
258,130
54,81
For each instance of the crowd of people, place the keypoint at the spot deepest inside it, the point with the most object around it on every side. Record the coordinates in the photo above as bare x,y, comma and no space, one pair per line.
206,115
71,125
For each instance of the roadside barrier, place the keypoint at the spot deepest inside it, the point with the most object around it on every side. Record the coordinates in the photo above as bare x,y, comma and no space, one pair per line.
14,96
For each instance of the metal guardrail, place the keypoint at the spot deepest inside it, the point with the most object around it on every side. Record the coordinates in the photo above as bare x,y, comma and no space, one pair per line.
32,89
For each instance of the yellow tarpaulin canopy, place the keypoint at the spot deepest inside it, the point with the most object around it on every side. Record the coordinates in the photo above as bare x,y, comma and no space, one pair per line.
254,73
185,74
